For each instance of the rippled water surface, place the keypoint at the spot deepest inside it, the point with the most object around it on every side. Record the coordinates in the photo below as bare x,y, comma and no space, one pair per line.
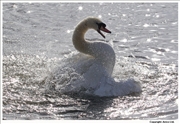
37,36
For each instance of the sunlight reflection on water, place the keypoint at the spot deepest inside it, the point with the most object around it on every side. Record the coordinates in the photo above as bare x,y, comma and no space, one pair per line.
36,36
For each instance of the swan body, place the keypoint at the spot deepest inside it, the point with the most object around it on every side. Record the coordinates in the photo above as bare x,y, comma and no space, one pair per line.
90,70
101,51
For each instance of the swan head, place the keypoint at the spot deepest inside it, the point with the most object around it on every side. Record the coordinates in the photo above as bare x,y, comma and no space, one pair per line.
97,25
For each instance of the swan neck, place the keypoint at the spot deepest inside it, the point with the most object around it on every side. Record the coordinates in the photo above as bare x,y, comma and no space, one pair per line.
78,38
102,52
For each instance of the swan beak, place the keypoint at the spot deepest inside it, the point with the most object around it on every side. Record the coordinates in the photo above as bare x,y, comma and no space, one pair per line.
103,29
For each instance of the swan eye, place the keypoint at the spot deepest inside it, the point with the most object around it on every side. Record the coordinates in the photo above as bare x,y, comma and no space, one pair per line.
101,25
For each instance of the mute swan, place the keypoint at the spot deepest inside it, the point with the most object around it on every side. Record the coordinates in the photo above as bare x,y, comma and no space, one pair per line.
101,51
90,70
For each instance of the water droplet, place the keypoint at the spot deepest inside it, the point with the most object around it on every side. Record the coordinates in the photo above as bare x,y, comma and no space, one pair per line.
147,15
99,16
28,11
68,31
80,8
155,59
159,52
157,16
174,23
146,25
15,6
124,40
174,51
124,15
167,50
148,40
173,41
